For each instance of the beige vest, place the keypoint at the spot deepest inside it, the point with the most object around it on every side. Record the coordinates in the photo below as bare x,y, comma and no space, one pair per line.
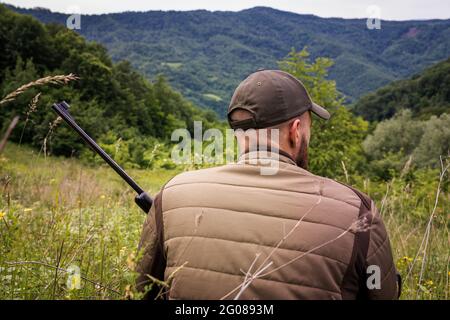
289,233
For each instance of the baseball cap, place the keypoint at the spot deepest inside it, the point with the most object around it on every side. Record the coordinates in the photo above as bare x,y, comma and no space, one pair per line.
271,97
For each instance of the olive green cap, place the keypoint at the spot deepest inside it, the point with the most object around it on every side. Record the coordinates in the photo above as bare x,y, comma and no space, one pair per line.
272,97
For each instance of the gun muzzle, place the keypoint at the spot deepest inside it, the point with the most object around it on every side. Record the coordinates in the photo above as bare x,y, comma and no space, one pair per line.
143,200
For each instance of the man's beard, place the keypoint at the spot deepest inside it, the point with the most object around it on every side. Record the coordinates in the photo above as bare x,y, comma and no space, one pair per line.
302,156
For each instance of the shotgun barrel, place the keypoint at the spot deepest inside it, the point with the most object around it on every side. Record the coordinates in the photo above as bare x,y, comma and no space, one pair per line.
143,200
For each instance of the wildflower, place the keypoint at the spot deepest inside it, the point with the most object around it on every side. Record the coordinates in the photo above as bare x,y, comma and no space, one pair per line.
130,261
74,282
122,251
102,196
27,209
129,295
407,259
2,214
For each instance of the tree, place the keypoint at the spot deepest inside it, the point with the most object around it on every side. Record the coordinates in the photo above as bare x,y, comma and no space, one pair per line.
435,141
404,138
399,134
107,97
338,140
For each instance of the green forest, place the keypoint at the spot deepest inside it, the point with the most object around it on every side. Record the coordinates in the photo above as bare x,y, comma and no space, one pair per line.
424,94
108,97
392,143
205,54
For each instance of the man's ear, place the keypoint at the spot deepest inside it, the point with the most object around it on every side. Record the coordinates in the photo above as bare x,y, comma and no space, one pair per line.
294,133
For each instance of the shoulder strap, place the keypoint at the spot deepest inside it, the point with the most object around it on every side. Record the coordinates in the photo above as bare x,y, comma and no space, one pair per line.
160,262
354,281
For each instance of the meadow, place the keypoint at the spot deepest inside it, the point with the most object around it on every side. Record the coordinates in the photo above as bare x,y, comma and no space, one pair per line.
69,228
57,214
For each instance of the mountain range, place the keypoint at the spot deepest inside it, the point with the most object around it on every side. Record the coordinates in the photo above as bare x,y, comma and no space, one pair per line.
205,54
426,93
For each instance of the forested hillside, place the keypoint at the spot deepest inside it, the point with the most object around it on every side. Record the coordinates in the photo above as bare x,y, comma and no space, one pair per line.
425,94
78,215
205,54
110,100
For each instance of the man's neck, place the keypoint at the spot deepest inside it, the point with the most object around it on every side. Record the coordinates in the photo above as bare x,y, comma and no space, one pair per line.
268,148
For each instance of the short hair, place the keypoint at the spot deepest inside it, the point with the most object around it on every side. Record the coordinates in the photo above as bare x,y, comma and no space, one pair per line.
240,114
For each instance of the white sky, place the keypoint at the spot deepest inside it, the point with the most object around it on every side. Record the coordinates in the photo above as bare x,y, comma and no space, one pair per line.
390,9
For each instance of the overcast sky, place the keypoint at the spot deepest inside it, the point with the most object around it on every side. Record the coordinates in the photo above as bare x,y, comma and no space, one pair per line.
390,9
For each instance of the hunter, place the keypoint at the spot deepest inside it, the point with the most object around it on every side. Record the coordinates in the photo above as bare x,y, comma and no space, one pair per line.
239,232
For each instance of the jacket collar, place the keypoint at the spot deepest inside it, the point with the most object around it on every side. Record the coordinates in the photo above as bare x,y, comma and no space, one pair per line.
267,153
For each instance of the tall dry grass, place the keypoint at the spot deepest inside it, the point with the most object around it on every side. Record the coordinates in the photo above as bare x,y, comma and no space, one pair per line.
56,80
56,213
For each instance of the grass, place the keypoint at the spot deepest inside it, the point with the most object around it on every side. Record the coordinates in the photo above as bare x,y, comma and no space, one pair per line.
407,207
56,213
